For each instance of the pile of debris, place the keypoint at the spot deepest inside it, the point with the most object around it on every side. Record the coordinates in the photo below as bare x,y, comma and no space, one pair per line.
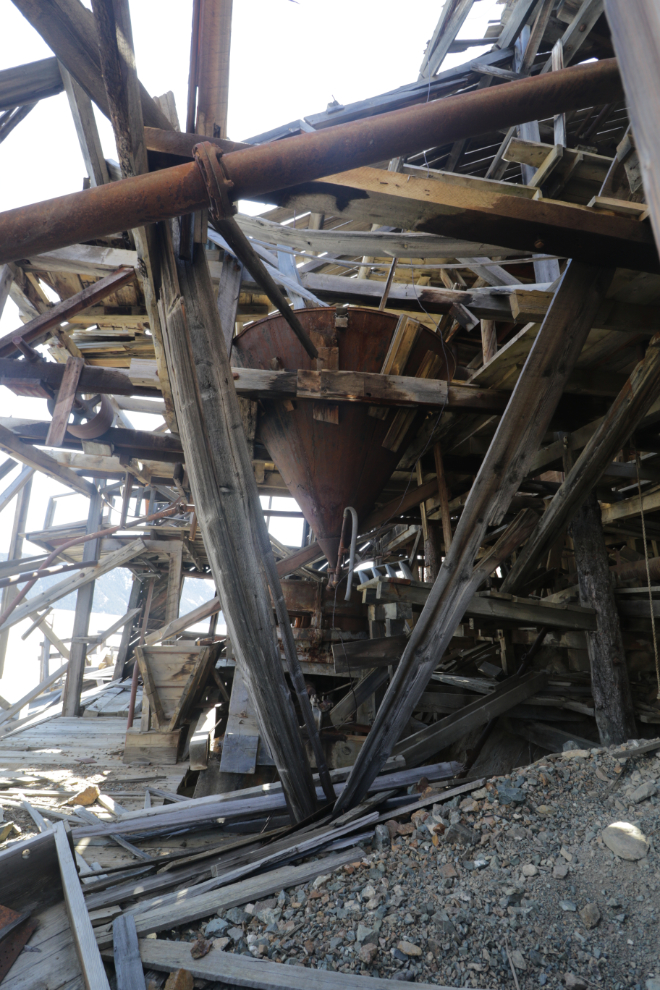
547,876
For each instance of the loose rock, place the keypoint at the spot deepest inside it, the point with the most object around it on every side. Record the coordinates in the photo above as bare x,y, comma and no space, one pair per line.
626,840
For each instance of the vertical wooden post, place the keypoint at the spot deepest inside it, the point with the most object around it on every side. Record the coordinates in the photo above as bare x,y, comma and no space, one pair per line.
84,600
15,553
443,494
127,631
488,339
226,501
609,675
433,550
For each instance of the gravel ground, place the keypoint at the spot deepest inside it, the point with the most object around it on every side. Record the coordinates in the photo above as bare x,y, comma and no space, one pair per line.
514,885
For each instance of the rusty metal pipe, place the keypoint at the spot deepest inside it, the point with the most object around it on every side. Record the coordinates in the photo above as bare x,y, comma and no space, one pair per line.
259,170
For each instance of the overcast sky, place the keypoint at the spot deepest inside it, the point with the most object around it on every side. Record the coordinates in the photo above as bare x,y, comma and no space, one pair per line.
288,60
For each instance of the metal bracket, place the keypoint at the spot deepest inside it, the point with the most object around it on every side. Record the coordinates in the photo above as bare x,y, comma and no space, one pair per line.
218,184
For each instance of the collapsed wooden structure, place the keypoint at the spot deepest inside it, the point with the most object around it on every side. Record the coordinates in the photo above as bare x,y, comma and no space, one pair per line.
459,371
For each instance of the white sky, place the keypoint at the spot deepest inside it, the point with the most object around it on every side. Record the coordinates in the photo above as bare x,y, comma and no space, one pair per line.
288,60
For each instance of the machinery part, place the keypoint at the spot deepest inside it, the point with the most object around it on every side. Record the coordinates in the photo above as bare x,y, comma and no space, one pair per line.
97,423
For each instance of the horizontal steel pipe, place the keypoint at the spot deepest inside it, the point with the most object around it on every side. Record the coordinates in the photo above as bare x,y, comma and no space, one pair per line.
259,170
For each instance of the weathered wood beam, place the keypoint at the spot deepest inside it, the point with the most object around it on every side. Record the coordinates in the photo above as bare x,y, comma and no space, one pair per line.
609,674
15,548
636,42
36,329
29,83
525,420
452,18
420,204
212,68
68,29
84,601
223,484
627,411
41,461
416,748
87,132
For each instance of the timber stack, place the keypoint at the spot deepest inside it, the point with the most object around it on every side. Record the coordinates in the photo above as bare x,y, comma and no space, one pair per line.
402,442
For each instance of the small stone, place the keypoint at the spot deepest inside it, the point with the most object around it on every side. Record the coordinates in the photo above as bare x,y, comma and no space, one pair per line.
518,959
510,795
368,952
409,949
215,927
85,797
575,753
560,870
574,982
181,979
447,870
568,856
269,916
382,839
480,795
320,881
364,932
590,915
653,984
461,834
201,948
567,906
235,933
643,792
444,922
529,870
221,943
545,809
625,840
237,915
469,805
309,946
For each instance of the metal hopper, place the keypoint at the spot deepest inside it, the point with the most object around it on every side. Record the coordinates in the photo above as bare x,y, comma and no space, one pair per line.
331,456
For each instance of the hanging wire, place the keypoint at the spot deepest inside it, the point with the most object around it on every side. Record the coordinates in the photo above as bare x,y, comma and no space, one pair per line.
648,570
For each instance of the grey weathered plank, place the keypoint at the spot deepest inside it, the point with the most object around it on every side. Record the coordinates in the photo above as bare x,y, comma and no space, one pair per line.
435,737
225,493
239,971
128,964
91,965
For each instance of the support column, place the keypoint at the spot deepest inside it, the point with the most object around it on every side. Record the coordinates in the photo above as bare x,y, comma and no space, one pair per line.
609,676
15,553
434,550
84,599
127,631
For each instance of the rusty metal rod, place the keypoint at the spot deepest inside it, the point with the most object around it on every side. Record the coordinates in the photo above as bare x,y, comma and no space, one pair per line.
262,169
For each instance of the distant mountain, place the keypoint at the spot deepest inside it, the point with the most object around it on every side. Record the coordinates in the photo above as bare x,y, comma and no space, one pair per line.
112,591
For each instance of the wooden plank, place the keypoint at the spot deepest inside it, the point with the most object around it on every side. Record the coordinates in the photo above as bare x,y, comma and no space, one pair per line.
91,965
36,329
171,629
41,461
69,32
623,417
128,964
87,132
451,21
435,737
65,399
236,970
29,83
157,713
117,558
610,685
34,693
525,420
368,653
399,505
357,694
229,292
563,229
299,558
232,895
194,686
635,41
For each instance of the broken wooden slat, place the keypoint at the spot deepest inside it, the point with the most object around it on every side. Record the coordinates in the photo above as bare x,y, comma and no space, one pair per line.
416,748
157,713
128,964
41,461
65,399
195,685
91,965
252,889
